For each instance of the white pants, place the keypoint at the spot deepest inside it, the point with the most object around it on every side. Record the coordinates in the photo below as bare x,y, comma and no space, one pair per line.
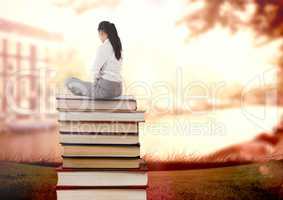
101,89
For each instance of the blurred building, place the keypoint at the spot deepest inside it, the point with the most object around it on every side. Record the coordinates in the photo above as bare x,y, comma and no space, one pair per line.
25,53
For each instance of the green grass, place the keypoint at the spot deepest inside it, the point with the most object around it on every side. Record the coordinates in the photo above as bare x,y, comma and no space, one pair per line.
23,181
254,181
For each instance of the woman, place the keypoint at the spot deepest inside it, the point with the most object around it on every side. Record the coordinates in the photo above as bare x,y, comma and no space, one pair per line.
107,67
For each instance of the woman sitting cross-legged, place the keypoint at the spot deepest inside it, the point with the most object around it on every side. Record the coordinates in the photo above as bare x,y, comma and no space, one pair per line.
107,67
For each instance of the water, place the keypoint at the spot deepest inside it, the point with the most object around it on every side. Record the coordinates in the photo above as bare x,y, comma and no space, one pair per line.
163,137
202,134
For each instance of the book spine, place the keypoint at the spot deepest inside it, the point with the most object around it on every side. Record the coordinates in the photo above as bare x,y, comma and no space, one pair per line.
101,157
104,145
100,133
142,187
67,169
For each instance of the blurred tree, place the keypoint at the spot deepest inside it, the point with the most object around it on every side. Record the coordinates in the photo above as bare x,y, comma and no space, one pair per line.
82,6
265,17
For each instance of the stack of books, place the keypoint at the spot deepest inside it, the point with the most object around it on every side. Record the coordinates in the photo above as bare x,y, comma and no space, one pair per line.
101,150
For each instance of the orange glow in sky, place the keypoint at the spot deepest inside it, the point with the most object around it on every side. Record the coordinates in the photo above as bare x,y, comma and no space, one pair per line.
153,45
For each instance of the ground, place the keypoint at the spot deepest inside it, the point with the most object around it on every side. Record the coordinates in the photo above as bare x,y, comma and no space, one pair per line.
253,181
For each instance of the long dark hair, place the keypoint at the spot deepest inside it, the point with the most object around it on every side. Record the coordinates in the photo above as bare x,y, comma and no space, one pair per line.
113,36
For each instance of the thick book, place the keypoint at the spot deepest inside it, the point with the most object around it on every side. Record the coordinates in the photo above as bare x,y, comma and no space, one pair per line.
73,150
83,103
102,194
136,116
98,127
101,163
80,179
93,138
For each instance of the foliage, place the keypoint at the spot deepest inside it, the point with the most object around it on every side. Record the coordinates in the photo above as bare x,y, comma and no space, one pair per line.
264,16
82,6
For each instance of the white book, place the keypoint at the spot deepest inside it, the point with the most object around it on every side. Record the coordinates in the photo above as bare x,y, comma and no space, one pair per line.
82,103
137,116
102,194
98,127
67,95
101,163
98,139
113,151
102,178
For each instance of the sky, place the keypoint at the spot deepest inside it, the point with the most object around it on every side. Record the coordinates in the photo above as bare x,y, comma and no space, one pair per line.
154,46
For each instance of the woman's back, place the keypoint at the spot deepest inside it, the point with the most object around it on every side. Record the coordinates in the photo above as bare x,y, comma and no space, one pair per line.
111,67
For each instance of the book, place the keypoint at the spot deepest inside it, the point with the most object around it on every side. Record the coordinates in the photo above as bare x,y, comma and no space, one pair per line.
68,95
91,178
83,103
137,116
100,163
102,194
92,138
98,127
71,150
